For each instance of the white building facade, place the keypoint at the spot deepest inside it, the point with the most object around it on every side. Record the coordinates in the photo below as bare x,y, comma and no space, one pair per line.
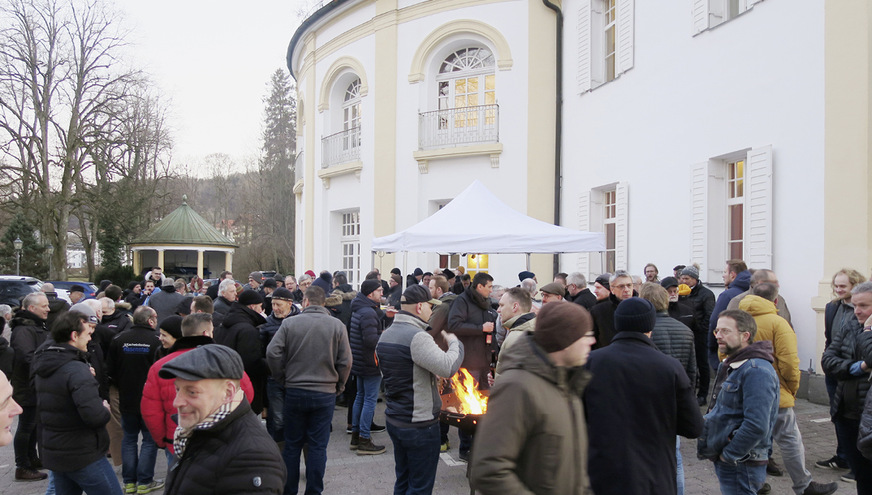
691,131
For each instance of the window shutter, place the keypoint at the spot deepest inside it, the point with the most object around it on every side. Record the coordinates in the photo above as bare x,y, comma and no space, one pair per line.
622,213
758,208
700,15
699,213
584,46
626,27
584,226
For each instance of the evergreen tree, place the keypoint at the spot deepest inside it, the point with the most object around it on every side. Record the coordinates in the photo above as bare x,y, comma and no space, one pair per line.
34,261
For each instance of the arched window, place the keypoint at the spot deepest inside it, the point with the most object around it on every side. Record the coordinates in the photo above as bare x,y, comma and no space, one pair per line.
351,106
467,79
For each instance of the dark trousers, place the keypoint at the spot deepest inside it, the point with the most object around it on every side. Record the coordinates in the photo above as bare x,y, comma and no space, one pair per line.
416,457
307,418
831,384
700,341
848,430
25,438
350,394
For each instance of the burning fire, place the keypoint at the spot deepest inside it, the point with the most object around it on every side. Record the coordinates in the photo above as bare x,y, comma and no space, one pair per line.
466,389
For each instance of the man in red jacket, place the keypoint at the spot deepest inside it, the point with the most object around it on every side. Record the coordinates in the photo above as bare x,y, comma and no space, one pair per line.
159,393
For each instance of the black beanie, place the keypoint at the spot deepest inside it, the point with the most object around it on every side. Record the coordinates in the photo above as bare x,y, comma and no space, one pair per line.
249,296
369,286
635,315
172,325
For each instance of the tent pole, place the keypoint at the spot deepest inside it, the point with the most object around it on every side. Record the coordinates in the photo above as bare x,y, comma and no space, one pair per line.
405,265
528,261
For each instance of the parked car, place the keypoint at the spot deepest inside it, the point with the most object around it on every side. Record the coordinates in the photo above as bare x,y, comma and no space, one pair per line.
14,288
90,288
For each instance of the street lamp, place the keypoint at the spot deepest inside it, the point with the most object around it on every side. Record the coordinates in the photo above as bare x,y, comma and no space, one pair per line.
49,249
17,244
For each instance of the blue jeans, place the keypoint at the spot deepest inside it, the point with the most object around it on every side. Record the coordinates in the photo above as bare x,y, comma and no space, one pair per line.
416,456
275,396
25,438
679,470
307,422
97,478
364,404
137,465
741,479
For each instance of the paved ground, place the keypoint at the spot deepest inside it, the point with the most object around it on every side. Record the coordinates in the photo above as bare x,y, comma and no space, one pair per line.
348,473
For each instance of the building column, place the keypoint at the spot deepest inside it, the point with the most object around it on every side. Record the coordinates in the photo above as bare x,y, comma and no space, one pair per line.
160,259
137,263
200,263
228,261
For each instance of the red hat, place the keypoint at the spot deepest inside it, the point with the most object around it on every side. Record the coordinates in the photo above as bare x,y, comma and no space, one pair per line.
311,273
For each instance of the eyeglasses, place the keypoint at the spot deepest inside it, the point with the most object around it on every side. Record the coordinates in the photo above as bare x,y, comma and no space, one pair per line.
623,286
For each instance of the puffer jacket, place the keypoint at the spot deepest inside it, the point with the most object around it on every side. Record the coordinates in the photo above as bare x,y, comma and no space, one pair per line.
268,330
844,351
28,333
159,393
367,324
703,301
533,439
516,326
676,340
775,329
71,416
239,332
864,440
234,456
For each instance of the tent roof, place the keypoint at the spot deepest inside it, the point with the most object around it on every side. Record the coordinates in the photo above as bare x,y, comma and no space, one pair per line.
498,229
184,226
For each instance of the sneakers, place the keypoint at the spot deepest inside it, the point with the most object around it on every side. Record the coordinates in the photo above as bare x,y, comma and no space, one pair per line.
773,469
129,487
848,478
349,430
24,474
355,441
765,489
464,456
374,428
444,447
834,462
815,488
366,447
151,487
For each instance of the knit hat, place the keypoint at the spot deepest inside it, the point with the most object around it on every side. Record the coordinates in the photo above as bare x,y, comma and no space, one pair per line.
525,275
85,310
395,270
448,274
635,315
207,361
311,273
669,282
559,325
325,282
396,278
249,296
369,286
555,288
417,294
257,276
77,288
172,325
184,307
269,283
282,294
691,271
418,272
604,280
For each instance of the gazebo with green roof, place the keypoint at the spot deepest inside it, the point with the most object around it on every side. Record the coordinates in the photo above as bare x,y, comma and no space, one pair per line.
172,243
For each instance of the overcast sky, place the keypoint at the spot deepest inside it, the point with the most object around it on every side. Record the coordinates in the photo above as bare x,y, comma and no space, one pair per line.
212,60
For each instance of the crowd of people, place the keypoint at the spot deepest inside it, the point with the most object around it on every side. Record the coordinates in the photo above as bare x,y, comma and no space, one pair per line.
591,387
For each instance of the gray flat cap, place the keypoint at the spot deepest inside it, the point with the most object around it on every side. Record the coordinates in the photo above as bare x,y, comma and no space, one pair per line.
205,362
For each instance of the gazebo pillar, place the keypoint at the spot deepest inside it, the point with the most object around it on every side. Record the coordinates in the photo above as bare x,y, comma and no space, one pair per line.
137,262
200,263
160,258
228,261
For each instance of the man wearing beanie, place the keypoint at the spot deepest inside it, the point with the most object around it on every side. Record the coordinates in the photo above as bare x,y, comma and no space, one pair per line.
703,301
282,307
239,332
637,402
367,324
535,407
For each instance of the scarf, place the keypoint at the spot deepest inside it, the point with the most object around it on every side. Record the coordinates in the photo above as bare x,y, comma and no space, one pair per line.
182,435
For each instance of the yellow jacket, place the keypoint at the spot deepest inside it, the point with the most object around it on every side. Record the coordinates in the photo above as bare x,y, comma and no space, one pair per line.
775,329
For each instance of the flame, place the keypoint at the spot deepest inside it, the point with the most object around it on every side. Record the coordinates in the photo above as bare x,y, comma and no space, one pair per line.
466,389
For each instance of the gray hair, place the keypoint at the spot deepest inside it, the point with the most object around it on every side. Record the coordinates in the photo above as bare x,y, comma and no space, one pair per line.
96,305
226,284
529,285
31,299
5,309
303,278
108,305
864,287
618,274
576,279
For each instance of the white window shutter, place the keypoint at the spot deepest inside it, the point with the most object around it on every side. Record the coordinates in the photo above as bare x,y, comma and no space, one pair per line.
758,208
700,15
584,46
584,226
622,213
626,32
699,213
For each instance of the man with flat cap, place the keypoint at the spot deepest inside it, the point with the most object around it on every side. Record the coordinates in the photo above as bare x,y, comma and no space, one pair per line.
553,292
220,444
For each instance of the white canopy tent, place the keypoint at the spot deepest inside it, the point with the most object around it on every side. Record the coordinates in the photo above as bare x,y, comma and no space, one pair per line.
456,229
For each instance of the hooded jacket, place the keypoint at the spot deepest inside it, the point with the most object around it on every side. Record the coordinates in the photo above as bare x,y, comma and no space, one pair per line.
741,284
339,303
28,333
71,416
239,332
775,329
533,439
367,324
738,426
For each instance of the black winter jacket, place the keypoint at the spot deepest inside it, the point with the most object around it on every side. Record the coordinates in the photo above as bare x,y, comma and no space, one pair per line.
844,351
585,298
703,301
675,340
131,354
683,312
268,330
56,307
603,315
28,333
367,324
864,440
236,456
465,319
239,332
71,416
7,355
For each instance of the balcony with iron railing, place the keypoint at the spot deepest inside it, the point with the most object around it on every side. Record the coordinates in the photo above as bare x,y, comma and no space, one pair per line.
341,147
458,132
